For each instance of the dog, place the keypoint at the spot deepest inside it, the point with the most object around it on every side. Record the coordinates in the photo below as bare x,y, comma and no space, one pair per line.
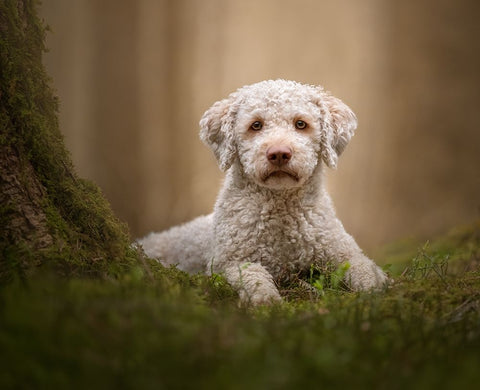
273,218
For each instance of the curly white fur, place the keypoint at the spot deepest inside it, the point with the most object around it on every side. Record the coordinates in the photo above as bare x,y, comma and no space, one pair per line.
273,217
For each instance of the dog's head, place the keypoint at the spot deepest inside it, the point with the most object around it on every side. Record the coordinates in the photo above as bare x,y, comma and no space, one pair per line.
278,131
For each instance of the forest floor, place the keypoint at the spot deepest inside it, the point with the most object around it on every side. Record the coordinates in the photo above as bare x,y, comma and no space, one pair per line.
154,327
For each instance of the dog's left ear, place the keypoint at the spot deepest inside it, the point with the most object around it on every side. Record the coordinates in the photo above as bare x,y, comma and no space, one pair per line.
338,124
216,131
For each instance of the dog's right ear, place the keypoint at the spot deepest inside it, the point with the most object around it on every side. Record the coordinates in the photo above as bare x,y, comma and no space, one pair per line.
338,124
216,131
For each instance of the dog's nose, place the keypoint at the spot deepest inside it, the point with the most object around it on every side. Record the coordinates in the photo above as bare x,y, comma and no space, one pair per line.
279,155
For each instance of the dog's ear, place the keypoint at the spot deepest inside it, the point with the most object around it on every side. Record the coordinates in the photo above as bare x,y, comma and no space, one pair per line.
338,123
216,131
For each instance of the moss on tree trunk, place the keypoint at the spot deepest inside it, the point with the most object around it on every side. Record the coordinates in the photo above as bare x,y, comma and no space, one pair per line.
48,215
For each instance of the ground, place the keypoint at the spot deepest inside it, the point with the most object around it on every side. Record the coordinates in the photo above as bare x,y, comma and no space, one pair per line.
154,327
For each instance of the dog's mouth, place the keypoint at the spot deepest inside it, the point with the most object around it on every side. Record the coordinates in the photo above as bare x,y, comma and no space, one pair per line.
281,174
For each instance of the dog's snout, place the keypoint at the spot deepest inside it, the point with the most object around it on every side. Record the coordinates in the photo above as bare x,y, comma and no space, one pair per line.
279,155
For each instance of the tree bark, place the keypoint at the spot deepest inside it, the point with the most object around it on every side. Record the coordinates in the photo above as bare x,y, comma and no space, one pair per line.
48,215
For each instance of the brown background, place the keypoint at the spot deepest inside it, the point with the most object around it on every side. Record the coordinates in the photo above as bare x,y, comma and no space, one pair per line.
134,78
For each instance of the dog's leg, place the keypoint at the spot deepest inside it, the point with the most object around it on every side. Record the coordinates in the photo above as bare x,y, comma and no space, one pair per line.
338,246
254,283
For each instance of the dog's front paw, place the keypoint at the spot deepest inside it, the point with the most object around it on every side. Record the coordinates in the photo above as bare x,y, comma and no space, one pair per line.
261,295
253,282
364,275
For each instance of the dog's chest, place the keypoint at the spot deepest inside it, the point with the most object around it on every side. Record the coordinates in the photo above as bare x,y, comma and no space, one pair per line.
287,240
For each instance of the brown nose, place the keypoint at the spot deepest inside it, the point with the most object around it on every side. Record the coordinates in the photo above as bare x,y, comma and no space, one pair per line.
279,155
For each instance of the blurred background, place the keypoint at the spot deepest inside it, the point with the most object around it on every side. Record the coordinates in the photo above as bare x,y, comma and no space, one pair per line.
135,76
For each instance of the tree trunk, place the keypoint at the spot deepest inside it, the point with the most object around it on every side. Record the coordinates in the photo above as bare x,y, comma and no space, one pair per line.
48,215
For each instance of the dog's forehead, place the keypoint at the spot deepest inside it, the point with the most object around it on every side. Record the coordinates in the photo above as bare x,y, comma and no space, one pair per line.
278,96
276,92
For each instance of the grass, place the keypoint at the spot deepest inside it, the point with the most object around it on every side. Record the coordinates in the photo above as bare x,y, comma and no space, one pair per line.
153,327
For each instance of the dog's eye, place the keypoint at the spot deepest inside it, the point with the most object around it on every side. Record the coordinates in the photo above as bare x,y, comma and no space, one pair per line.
256,126
300,125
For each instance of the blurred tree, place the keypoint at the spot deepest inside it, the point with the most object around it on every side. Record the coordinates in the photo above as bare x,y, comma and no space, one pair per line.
48,215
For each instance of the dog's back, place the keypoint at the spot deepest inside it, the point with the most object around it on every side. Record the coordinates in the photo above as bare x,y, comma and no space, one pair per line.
188,246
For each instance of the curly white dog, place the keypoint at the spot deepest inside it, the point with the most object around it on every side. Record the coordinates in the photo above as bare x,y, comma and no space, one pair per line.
273,218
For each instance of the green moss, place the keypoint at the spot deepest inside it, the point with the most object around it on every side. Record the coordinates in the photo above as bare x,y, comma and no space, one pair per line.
168,330
156,327
87,236
461,243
